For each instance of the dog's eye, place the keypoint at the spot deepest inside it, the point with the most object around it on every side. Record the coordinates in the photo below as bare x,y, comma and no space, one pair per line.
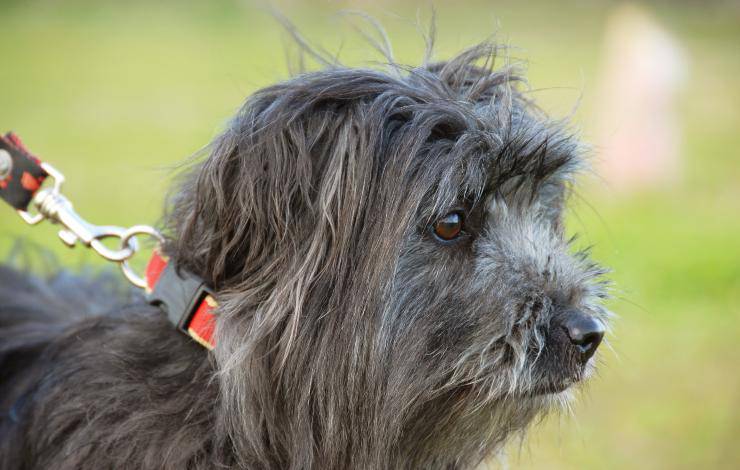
449,227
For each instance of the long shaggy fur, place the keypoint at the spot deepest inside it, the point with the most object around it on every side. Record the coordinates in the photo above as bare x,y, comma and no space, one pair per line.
348,335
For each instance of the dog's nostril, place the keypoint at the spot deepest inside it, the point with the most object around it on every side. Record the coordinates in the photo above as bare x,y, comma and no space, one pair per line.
584,331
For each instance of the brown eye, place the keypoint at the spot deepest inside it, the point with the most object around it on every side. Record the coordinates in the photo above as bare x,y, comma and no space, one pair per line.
449,227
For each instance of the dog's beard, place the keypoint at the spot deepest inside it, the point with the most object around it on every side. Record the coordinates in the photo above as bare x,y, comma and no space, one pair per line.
496,394
473,427
474,418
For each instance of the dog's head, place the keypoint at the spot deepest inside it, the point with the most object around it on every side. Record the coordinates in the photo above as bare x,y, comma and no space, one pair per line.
394,278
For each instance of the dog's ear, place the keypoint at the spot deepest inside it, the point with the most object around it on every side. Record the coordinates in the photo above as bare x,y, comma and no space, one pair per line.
283,214
278,193
236,207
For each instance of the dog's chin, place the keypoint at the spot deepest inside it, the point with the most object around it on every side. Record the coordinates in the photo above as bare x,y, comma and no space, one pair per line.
559,381
550,388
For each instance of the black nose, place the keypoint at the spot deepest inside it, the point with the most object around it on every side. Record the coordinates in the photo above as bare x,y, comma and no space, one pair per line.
584,331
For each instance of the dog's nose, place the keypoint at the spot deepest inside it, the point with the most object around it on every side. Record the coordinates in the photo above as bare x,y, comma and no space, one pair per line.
584,331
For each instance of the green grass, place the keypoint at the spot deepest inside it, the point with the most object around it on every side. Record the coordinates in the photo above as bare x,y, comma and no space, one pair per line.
117,94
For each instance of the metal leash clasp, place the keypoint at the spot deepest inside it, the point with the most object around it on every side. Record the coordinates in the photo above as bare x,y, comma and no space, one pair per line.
52,205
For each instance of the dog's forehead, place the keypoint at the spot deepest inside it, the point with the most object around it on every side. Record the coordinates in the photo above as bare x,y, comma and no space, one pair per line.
489,153
451,129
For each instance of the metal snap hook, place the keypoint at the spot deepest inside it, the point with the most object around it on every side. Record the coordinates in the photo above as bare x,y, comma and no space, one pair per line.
128,237
52,205
126,251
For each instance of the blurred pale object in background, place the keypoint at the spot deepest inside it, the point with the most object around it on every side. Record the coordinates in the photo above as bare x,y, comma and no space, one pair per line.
643,71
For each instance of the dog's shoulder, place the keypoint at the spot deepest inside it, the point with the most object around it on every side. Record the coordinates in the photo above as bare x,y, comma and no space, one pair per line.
99,374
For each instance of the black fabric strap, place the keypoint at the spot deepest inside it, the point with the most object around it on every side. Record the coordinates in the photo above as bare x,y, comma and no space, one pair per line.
21,173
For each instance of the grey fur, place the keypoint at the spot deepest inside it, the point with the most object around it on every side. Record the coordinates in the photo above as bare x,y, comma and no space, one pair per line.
348,335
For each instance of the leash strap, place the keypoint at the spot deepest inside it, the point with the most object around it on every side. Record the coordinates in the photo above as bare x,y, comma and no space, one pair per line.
21,174
184,297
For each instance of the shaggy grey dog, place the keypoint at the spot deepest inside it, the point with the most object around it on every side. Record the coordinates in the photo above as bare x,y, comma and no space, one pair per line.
395,289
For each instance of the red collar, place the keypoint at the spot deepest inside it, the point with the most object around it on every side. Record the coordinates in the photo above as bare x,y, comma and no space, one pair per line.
188,302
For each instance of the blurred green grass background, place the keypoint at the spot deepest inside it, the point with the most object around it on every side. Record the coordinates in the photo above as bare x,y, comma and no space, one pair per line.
117,94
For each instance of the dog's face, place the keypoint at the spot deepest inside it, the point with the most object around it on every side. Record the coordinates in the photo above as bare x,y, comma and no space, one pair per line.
486,284
394,275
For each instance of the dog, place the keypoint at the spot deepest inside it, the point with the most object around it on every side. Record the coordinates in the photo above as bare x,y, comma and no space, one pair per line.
395,290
